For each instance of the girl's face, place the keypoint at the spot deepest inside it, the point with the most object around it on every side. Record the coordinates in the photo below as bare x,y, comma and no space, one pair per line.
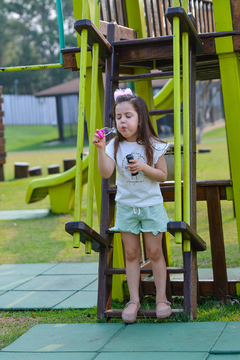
127,121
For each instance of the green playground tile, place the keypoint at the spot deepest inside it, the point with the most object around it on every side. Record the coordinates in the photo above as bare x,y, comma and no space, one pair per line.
74,269
152,355
23,214
175,337
49,356
92,287
56,282
60,338
11,282
24,269
233,273
80,300
228,341
32,299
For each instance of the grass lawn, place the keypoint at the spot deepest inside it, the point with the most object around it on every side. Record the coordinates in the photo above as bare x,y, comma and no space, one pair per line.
44,240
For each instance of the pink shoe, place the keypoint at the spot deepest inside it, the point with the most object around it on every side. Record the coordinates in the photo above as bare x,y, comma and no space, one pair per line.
163,314
130,318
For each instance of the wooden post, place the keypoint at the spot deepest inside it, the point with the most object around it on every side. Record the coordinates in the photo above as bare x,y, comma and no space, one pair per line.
21,170
53,169
217,243
68,164
34,171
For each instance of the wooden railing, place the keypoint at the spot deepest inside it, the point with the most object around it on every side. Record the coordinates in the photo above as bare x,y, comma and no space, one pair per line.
155,21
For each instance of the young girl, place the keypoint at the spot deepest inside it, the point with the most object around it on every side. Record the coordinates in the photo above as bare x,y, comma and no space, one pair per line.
139,200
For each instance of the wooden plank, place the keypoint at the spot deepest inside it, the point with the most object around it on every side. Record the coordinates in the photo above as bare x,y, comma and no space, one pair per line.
87,233
196,15
119,12
148,18
217,243
161,18
143,270
124,33
206,287
235,8
167,189
104,11
205,13
155,18
94,36
113,12
167,23
209,16
142,77
141,313
197,243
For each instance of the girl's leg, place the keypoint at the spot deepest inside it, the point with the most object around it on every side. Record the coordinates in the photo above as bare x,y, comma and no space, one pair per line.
154,250
132,257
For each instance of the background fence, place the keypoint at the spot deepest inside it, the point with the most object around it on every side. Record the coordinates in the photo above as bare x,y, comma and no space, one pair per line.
29,110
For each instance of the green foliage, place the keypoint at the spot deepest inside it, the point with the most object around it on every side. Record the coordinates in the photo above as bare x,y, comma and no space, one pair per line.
29,36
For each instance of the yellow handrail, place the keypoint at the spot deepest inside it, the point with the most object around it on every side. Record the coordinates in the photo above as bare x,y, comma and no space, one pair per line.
80,134
94,89
186,137
177,125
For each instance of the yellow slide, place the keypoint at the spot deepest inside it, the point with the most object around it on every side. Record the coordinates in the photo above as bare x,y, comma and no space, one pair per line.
60,187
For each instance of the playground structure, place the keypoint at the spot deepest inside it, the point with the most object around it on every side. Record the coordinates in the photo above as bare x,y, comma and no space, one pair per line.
129,57
184,48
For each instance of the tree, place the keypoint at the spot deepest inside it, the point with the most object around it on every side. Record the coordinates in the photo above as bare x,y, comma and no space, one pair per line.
206,94
29,36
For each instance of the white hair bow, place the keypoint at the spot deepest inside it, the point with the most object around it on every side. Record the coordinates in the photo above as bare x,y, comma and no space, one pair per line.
120,92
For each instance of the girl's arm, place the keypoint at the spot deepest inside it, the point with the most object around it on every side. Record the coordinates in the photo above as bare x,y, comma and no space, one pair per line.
157,173
105,164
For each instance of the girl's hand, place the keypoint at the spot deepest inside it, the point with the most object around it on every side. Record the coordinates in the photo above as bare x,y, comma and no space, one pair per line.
135,166
99,142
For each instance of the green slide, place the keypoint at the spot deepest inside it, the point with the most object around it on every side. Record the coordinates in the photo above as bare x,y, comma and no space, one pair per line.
60,187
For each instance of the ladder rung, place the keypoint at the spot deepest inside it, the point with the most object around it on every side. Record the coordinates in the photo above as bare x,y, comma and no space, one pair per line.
141,77
122,271
141,313
162,112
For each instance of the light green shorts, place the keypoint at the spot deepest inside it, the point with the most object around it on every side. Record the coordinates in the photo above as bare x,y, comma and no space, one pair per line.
152,219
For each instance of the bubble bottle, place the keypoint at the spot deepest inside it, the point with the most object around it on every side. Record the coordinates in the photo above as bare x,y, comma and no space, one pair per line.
106,131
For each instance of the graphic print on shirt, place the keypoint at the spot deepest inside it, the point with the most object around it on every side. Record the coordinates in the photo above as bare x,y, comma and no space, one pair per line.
141,177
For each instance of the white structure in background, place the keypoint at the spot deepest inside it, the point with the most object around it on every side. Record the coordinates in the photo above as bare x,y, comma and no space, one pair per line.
29,110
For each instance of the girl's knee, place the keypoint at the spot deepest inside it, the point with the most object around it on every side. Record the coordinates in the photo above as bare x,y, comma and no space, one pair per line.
155,253
132,254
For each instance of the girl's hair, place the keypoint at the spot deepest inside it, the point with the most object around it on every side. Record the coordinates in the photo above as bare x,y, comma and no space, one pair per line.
146,132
